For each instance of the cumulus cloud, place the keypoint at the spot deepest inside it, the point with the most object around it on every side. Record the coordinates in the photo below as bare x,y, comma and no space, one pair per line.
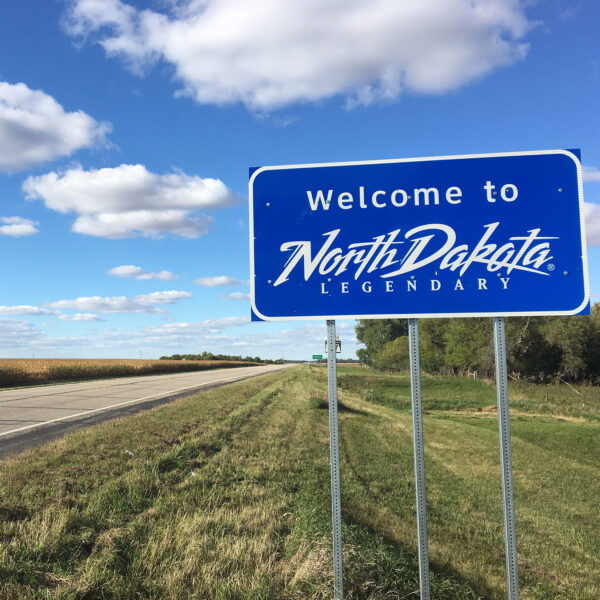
592,223
270,53
128,200
17,226
591,174
24,310
218,281
35,128
139,273
143,303
85,317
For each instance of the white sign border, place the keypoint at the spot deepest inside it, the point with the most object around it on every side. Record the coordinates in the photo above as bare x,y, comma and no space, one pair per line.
423,315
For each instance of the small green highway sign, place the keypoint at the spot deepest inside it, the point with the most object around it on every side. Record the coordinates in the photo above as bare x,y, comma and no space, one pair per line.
317,357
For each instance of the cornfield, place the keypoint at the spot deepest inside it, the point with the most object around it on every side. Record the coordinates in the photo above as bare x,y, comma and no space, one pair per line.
16,371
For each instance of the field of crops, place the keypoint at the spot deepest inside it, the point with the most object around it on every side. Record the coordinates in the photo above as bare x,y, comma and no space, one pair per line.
16,371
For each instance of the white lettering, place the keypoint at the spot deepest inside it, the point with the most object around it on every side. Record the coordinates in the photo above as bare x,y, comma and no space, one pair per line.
495,262
504,282
335,256
374,199
425,193
345,287
542,251
366,287
361,196
481,284
410,262
459,286
454,195
404,198
488,187
513,194
345,200
427,244
389,285
323,290
302,250
411,284
319,198
436,284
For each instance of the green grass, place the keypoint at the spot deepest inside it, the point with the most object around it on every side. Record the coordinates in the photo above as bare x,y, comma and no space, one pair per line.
225,495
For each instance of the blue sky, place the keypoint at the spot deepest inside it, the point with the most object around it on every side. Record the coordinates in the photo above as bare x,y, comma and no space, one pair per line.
127,130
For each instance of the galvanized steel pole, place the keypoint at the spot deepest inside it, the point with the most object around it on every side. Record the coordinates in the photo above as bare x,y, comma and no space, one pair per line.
415,379
336,505
510,534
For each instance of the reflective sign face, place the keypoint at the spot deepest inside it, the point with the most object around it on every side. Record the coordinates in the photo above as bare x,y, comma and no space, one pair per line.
495,234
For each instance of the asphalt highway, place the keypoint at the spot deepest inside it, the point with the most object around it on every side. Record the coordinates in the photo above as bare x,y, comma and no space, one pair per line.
34,415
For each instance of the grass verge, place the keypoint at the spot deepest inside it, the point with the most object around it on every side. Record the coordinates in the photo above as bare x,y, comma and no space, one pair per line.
225,495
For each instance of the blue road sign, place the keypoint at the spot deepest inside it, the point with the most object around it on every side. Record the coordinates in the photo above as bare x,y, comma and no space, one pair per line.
477,235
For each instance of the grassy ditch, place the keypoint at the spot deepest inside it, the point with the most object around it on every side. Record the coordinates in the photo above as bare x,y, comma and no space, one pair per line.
225,495
17,371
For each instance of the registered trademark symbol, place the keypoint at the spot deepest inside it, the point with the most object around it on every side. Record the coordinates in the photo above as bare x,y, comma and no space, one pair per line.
551,267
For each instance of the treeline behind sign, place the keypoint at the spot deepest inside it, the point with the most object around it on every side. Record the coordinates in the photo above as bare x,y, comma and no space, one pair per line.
480,235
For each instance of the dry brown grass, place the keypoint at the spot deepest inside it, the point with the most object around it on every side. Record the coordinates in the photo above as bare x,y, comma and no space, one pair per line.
23,371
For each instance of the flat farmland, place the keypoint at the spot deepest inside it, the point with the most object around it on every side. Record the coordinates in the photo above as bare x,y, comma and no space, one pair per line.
225,495
17,371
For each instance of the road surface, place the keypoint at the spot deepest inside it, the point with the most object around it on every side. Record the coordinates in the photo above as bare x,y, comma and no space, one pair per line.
34,415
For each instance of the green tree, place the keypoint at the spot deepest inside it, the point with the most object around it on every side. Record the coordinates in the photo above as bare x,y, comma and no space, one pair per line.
529,352
432,343
469,345
376,333
394,356
577,339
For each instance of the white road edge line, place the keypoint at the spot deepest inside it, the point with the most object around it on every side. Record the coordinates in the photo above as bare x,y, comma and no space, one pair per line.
95,410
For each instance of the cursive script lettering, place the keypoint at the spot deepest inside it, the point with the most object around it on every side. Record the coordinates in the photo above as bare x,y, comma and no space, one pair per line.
427,244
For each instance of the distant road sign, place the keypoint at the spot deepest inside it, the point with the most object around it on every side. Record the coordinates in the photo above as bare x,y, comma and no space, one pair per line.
338,346
317,357
477,235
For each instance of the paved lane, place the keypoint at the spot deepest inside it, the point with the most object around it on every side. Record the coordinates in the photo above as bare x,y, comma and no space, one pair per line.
26,410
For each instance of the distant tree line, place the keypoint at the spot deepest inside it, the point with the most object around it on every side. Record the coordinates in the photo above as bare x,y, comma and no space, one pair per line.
210,356
538,348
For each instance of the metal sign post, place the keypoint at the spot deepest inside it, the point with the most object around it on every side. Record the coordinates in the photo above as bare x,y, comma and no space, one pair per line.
338,346
336,504
415,380
510,535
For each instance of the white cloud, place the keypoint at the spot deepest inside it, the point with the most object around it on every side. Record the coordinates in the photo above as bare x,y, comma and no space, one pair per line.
227,335
592,223
143,303
195,329
129,200
591,174
17,334
139,273
218,281
238,296
269,53
85,317
34,128
24,310
17,226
